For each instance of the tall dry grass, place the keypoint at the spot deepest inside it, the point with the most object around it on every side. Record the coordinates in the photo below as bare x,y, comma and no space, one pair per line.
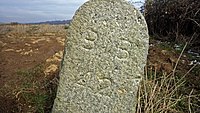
161,93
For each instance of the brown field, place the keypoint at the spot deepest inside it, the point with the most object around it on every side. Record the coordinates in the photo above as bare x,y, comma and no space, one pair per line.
29,65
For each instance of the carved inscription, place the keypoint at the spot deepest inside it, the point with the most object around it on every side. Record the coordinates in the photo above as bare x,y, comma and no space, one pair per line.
101,85
89,38
123,50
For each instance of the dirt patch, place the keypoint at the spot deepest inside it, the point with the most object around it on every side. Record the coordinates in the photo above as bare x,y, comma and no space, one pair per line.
8,105
23,47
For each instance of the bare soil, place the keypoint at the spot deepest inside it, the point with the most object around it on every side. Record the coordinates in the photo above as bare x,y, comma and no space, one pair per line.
23,47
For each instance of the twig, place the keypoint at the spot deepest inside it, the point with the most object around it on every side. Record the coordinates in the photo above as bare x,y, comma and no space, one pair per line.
179,59
194,21
189,101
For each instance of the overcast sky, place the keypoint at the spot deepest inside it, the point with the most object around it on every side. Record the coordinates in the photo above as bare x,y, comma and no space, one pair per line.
25,11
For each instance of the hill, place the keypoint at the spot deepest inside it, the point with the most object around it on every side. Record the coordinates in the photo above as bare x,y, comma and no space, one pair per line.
57,22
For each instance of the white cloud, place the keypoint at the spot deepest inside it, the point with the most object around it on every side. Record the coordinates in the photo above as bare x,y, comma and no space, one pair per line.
38,10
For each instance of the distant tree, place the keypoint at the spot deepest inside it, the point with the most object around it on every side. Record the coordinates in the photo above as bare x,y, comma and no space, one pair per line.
14,23
138,4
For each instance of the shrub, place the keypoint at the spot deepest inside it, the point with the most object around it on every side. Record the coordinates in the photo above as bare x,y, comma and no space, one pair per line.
174,20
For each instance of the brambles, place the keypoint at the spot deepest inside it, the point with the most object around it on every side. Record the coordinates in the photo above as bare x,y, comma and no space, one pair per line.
174,20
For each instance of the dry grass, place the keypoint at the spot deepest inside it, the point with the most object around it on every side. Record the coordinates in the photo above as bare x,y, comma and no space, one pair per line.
161,94
158,95
36,90
22,29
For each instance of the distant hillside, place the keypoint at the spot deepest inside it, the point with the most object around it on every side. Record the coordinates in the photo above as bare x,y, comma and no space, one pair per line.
54,22
2,23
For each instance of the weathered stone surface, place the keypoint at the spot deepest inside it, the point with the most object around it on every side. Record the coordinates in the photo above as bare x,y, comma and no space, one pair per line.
104,59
